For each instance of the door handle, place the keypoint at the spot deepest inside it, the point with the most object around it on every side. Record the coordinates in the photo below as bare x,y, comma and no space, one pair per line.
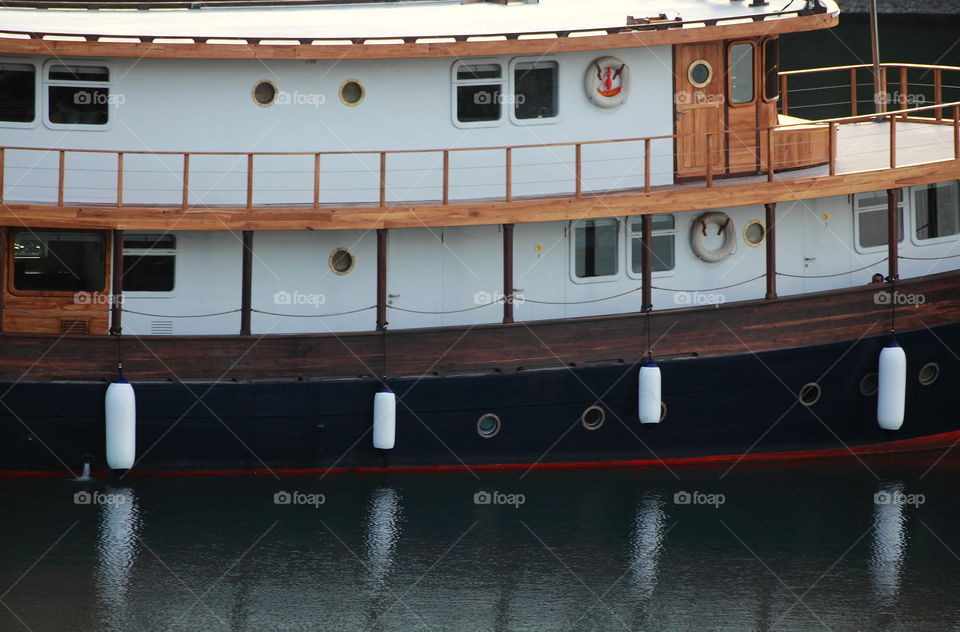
809,258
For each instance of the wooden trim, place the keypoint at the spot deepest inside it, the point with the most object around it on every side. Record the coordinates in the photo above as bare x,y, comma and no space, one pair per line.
383,179
60,176
938,90
771,250
249,180
508,162
316,181
646,263
579,170
446,177
621,37
854,96
893,142
508,290
382,245
116,293
893,226
186,180
246,283
833,149
119,179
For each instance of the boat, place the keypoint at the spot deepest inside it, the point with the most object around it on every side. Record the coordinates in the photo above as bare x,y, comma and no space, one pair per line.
321,236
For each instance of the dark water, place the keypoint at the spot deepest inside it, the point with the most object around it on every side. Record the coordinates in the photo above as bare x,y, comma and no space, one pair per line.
835,545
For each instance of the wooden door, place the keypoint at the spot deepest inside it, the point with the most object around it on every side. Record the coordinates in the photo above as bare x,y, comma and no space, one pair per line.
699,108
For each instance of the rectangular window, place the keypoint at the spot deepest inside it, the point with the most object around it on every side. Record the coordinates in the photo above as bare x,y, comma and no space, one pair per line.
535,89
771,69
595,248
18,93
741,73
78,95
936,210
58,261
479,89
871,219
149,262
662,243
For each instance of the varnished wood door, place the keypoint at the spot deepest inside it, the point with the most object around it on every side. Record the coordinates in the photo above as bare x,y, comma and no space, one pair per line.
699,108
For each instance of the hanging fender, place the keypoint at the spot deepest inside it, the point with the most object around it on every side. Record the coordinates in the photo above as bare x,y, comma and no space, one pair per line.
724,226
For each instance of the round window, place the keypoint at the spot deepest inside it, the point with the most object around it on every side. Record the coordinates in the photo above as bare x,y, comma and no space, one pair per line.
265,93
341,261
593,417
700,73
488,426
754,233
869,384
810,394
351,92
663,411
929,373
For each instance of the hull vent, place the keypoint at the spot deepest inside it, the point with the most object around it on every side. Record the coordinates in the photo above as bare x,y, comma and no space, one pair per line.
161,327
74,327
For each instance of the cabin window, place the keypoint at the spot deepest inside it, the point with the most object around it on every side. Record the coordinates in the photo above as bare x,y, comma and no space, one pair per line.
149,262
741,73
771,69
478,92
535,89
18,93
870,221
662,243
351,92
78,95
595,248
936,210
58,261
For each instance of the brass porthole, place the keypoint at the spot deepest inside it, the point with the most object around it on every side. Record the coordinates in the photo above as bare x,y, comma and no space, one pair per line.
488,426
700,73
341,261
352,92
593,417
869,384
929,373
265,93
754,233
810,394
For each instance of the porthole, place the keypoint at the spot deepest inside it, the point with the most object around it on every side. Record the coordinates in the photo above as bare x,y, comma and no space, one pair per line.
488,426
754,233
265,93
351,92
810,394
663,411
929,373
341,261
869,384
700,73
593,417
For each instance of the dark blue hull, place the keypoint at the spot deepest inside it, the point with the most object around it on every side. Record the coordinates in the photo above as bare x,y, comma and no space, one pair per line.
733,405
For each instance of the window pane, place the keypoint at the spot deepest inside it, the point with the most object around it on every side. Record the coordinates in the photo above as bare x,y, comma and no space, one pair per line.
151,241
595,247
17,93
78,105
478,103
771,59
478,71
662,222
937,211
741,73
872,226
79,73
148,273
58,261
663,252
535,86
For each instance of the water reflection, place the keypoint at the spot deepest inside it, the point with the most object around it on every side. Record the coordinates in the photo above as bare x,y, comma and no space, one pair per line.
646,544
382,531
117,549
889,545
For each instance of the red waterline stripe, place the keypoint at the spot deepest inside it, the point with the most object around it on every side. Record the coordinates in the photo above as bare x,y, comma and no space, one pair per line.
902,445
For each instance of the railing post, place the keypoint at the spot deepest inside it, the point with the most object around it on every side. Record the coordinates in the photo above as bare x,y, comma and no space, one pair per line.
893,225
709,160
382,245
771,249
646,165
1,174
119,179
833,149
884,95
903,91
646,262
60,178
508,273
316,181
771,158
938,91
446,176
246,283
893,141
383,178
186,180
956,132
784,92
509,167
853,92
249,180
116,289
579,169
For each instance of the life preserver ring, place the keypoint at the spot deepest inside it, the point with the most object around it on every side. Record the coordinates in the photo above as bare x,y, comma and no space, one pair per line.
699,230
607,82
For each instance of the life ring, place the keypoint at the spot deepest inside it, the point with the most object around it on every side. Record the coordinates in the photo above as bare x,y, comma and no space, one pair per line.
699,230
607,82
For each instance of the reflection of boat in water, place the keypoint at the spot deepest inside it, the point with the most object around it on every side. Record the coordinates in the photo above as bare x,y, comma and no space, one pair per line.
646,543
118,545
888,547
498,210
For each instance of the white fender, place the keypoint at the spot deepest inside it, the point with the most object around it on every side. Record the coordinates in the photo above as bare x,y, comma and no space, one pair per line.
648,393
607,82
723,224
384,420
120,405
892,386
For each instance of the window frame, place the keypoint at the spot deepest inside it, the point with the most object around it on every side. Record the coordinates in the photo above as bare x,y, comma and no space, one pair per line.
155,252
729,73
37,94
904,217
931,241
456,83
512,90
572,252
630,235
11,276
763,66
46,83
